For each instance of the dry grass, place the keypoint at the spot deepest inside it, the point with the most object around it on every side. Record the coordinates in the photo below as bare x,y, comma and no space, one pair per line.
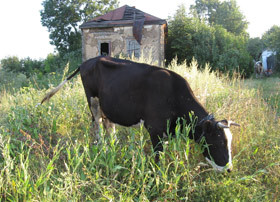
47,152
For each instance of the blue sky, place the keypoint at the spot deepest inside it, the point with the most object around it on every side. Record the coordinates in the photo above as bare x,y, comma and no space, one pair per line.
23,35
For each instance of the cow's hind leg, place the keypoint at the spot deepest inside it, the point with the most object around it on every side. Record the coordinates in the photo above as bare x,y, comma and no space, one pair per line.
100,120
108,125
97,117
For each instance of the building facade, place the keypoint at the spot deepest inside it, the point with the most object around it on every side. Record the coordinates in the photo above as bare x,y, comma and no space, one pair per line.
125,31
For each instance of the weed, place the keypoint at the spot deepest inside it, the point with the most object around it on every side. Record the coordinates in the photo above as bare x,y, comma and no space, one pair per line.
47,152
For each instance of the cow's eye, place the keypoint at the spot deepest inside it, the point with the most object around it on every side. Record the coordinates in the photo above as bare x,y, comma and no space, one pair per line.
223,143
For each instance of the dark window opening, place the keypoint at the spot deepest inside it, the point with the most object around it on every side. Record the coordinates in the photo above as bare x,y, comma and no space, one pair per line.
104,49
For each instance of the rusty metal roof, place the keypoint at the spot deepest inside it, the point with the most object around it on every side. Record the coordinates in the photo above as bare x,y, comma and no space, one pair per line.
123,16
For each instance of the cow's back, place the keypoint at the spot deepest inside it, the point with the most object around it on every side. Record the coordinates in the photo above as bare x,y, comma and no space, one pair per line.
130,92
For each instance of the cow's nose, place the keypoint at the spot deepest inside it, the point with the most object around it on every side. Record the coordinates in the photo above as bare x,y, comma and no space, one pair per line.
229,170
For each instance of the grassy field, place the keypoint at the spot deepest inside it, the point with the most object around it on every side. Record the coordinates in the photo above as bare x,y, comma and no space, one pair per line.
47,151
269,88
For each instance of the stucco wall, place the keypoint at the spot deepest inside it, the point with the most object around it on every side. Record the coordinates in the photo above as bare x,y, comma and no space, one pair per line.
152,43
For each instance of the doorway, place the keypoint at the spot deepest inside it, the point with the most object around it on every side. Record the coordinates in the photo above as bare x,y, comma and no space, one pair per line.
104,49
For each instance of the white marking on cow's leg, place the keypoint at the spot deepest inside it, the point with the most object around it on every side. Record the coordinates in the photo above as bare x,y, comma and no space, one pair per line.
95,110
100,120
109,126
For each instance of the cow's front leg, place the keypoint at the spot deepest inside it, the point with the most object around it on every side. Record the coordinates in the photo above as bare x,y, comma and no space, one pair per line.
157,145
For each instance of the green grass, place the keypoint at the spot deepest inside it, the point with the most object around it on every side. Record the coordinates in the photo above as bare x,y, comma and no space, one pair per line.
47,151
269,88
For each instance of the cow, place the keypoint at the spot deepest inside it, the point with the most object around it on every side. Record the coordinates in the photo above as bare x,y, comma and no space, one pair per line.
130,92
259,69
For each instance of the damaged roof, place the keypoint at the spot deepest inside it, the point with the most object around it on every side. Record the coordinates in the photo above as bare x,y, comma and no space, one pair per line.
123,16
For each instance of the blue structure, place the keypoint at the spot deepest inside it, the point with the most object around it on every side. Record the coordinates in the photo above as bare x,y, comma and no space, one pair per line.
268,59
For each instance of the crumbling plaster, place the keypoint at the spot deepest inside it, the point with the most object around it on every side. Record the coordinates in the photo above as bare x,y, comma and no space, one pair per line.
152,44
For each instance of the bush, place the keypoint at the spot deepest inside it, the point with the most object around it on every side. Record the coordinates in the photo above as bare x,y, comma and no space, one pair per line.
25,66
11,64
10,81
189,37
53,63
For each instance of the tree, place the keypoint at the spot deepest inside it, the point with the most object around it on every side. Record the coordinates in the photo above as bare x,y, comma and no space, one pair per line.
226,13
190,37
271,40
255,47
204,9
11,64
179,36
63,18
26,66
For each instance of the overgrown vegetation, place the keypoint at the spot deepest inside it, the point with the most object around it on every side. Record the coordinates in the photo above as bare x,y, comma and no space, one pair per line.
203,33
40,69
269,89
191,38
214,32
47,152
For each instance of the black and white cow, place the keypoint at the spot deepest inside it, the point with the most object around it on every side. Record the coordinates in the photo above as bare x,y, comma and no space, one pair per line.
258,69
129,92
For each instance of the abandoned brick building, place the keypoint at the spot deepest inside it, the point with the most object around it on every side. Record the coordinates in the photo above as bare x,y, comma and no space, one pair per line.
125,30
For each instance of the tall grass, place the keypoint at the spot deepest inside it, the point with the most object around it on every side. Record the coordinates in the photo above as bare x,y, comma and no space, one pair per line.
47,151
269,88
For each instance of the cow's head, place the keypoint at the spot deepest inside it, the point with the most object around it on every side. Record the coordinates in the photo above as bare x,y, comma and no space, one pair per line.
217,141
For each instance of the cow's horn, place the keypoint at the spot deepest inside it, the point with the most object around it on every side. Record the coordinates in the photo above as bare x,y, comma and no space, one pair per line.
231,123
220,125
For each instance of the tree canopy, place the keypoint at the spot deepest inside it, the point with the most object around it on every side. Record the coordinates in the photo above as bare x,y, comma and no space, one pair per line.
226,13
190,37
63,18
255,47
271,38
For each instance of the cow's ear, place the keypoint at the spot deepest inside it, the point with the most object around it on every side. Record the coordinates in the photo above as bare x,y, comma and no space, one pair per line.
207,126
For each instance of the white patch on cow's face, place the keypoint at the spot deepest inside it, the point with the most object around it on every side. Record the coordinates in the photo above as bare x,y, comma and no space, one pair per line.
229,139
229,164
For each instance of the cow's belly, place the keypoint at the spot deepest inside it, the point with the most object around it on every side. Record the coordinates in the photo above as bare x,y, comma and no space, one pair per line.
122,106
125,115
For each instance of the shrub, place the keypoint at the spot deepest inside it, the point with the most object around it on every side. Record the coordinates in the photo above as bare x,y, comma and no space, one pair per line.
190,37
25,66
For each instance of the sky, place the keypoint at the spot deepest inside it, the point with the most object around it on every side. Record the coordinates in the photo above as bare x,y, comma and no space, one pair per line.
22,35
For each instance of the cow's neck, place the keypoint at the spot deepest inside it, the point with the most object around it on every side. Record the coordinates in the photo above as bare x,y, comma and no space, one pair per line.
198,132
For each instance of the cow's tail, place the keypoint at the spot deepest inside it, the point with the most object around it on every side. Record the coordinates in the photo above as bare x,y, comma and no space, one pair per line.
54,91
